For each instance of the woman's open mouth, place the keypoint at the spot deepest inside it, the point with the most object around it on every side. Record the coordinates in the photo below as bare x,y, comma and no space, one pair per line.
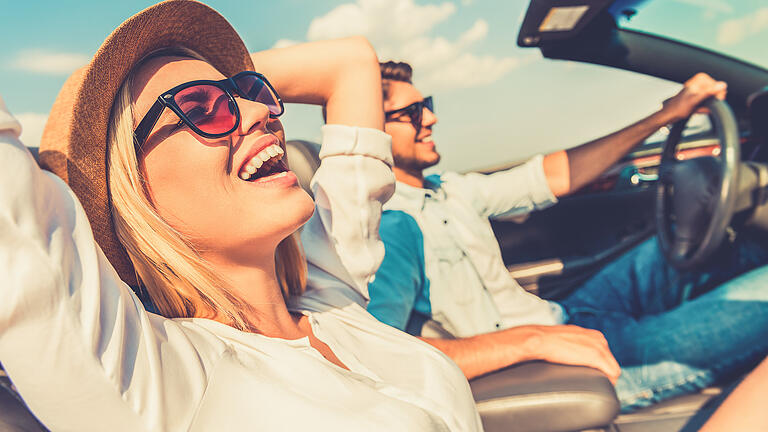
267,164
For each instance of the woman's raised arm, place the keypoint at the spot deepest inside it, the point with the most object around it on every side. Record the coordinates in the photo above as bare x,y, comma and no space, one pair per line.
70,329
355,176
342,75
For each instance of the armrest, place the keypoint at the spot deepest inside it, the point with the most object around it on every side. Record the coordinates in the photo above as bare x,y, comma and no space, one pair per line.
546,397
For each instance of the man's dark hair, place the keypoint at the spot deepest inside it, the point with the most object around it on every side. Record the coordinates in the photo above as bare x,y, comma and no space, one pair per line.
394,71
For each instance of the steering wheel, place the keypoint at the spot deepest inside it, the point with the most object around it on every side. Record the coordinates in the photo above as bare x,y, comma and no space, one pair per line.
695,198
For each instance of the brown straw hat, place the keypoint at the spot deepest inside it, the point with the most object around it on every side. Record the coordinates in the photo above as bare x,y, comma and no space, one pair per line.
73,145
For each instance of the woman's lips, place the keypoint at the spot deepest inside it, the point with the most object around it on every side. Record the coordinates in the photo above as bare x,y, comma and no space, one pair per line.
281,179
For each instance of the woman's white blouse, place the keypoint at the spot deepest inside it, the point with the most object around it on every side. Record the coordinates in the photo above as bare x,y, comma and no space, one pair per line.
85,355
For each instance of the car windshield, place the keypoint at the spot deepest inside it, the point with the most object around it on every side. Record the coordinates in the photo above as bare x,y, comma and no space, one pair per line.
738,29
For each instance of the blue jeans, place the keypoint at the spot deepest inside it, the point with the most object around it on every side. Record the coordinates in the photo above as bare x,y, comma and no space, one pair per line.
677,332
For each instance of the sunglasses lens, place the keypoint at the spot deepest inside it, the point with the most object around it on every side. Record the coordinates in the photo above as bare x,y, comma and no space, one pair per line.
208,107
255,89
429,104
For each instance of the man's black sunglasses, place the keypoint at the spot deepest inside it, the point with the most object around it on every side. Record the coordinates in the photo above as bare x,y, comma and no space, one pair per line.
209,107
414,111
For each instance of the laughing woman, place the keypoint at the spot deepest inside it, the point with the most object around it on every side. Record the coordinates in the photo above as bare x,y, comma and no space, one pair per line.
169,179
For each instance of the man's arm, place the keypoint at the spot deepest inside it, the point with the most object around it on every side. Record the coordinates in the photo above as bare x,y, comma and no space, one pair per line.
570,170
564,344
401,279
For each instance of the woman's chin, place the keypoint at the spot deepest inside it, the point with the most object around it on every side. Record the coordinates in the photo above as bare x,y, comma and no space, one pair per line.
296,209
307,208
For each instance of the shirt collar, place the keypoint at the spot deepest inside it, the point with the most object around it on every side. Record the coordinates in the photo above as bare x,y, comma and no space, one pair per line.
416,196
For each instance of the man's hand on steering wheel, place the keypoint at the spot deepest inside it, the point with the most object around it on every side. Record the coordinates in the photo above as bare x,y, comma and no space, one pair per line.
697,89
570,170
695,198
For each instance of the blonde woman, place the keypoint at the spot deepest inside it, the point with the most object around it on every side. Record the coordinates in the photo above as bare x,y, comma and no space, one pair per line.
170,151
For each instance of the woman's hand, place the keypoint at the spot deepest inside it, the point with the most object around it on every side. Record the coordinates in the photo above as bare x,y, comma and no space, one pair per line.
342,75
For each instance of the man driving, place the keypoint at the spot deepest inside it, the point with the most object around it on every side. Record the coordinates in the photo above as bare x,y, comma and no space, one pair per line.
443,264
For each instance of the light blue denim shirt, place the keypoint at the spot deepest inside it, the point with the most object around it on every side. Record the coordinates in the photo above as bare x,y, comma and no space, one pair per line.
443,261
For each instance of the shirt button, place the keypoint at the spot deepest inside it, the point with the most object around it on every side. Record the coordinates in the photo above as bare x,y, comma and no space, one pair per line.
498,325
445,221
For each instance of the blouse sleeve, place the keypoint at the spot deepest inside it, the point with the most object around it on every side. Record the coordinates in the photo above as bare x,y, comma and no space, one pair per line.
74,339
341,239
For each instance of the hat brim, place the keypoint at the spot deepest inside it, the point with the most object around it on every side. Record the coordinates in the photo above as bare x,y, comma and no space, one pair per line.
74,141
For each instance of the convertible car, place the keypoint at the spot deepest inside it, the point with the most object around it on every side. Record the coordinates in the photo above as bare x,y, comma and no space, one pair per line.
659,189
694,185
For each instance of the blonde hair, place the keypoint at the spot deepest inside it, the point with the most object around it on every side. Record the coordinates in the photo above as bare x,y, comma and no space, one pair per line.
174,274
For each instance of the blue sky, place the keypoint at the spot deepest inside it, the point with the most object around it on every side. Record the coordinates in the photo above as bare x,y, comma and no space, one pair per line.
492,98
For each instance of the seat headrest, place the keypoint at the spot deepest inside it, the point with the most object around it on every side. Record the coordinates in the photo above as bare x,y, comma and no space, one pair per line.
35,153
303,160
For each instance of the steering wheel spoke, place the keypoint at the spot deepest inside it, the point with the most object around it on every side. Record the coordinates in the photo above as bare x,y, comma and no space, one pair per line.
682,247
666,172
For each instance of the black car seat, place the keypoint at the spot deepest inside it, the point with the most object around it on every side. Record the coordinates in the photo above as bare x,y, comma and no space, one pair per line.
303,158
14,414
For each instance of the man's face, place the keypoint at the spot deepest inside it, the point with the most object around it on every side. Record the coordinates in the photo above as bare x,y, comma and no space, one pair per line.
412,149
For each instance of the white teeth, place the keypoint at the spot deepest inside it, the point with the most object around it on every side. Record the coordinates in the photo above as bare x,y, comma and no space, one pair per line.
273,151
282,174
427,139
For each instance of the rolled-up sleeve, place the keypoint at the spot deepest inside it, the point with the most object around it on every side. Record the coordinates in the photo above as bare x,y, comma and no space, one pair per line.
353,181
512,192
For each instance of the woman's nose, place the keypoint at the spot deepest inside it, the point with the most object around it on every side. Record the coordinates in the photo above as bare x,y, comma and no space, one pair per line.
253,116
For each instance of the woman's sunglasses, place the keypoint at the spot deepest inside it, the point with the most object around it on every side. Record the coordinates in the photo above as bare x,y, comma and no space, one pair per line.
209,107
414,111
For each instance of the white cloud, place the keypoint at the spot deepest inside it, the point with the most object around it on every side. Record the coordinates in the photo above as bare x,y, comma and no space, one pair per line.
32,125
469,70
49,62
379,20
736,30
284,43
404,31
476,33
